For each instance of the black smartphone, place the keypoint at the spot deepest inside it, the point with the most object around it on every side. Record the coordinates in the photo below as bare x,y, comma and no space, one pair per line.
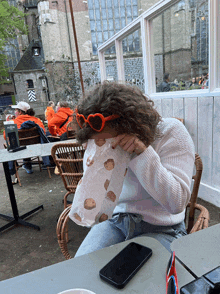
119,271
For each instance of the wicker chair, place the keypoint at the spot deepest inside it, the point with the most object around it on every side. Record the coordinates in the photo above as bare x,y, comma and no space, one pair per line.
70,129
203,218
68,157
29,137
192,207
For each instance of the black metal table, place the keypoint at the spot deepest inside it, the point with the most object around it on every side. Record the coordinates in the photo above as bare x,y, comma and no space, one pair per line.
16,219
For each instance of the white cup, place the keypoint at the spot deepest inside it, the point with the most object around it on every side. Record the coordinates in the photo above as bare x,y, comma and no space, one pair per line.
77,291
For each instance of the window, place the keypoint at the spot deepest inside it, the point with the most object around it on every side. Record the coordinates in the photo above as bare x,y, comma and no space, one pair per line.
181,47
179,42
12,52
108,17
133,59
218,45
30,84
36,51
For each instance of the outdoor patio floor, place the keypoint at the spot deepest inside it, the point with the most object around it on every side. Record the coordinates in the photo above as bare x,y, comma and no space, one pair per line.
24,249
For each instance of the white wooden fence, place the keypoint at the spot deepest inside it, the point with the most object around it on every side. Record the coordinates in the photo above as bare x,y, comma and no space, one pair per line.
202,119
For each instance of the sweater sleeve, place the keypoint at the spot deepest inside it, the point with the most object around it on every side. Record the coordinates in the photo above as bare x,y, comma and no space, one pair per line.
166,173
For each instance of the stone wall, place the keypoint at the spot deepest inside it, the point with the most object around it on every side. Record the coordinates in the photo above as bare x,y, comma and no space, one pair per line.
21,78
57,31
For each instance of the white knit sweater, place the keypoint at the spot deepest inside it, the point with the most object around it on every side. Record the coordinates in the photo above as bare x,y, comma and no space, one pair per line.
157,183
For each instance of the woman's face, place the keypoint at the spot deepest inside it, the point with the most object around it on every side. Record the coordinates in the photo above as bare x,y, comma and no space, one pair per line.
17,112
106,133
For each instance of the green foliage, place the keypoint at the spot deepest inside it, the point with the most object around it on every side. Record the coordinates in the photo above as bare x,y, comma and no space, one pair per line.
11,25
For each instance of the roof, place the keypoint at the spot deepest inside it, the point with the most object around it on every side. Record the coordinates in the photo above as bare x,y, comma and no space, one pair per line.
30,62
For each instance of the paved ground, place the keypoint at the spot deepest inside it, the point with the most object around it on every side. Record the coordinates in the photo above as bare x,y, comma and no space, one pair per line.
23,249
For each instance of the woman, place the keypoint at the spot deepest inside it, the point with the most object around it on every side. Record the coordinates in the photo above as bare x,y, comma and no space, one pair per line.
156,188
57,125
49,112
23,113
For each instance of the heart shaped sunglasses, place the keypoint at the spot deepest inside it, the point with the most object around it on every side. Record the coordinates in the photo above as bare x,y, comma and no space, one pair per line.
96,121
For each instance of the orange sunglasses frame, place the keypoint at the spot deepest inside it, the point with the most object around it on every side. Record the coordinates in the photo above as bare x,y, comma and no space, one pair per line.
104,119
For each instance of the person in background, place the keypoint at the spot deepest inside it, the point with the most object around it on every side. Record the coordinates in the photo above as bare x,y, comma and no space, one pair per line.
205,83
165,86
9,114
23,113
57,125
202,79
156,187
193,82
49,112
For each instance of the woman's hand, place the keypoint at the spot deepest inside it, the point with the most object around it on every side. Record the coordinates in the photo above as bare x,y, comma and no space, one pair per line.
129,143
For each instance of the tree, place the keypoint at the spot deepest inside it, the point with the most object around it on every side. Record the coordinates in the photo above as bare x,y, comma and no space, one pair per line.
11,25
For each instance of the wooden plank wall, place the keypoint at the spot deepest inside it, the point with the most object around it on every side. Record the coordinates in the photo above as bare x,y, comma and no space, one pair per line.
202,119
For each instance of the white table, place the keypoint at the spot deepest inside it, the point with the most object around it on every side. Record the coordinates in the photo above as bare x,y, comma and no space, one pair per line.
5,156
200,251
83,272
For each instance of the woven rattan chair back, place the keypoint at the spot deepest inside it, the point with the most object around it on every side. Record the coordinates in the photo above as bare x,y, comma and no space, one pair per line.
68,157
29,136
70,129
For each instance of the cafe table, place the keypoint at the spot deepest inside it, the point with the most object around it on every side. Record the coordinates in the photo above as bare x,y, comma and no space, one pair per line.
5,156
83,272
199,252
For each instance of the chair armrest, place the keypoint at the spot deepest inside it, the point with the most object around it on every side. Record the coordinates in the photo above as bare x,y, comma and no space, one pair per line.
202,220
62,231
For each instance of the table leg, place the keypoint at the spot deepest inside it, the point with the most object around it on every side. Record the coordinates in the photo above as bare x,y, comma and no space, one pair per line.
16,219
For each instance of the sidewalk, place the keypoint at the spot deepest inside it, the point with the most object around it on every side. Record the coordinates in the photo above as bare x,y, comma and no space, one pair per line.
23,249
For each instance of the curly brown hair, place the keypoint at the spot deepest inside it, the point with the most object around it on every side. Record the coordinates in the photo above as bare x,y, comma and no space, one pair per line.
136,111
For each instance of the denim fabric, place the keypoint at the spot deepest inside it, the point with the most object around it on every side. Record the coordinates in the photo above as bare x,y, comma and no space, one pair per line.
11,167
125,226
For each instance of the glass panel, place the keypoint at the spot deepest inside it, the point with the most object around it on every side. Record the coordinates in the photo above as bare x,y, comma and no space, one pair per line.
92,26
116,12
96,4
91,14
110,13
111,16
218,53
105,25
90,4
98,26
99,35
111,64
103,4
97,14
135,11
117,24
110,25
123,24
132,58
104,14
180,38
128,9
105,34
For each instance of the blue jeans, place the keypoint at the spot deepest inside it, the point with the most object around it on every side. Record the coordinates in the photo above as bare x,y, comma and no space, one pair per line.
27,163
125,226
